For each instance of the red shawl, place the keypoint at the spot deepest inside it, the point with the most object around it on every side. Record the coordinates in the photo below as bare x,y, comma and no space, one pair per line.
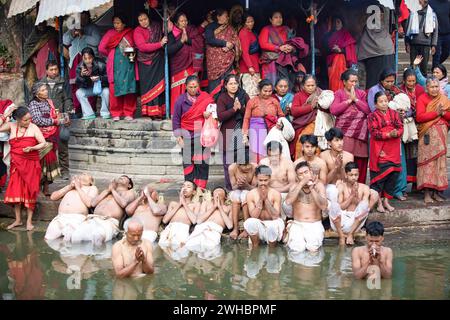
414,95
189,54
26,164
290,59
117,37
344,40
217,60
50,131
4,104
379,126
193,119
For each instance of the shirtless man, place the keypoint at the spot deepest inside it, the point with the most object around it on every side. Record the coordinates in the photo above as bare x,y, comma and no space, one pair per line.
349,214
213,218
179,217
283,173
372,258
132,255
74,207
307,198
336,159
264,206
318,166
149,211
110,206
242,178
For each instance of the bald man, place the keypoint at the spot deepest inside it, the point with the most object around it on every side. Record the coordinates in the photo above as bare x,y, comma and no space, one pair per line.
132,256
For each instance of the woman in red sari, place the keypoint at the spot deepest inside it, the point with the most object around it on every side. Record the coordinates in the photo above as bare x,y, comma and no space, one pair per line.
281,51
25,171
149,40
433,116
342,53
304,112
187,122
186,50
223,49
121,72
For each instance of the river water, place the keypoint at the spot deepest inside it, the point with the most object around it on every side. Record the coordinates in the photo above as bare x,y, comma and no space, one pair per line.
31,269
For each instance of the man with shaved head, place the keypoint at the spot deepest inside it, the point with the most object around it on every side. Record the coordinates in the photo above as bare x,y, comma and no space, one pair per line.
132,256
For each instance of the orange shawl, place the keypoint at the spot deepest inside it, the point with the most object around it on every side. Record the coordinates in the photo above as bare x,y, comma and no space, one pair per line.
432,106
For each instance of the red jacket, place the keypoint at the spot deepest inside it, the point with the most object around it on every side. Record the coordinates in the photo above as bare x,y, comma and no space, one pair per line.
248,60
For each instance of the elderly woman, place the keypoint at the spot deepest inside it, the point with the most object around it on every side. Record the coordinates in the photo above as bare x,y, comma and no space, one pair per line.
187,121
439,72
386,84
222,50
261,114
186,46
45,116
304,112
121,72
342,52
149,40
281,51
351,110
433,117
26,141
231,102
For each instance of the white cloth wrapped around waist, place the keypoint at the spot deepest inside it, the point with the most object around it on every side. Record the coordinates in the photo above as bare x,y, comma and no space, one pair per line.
281,136
175,234
303,236
267,230
64,224
205,236
96,228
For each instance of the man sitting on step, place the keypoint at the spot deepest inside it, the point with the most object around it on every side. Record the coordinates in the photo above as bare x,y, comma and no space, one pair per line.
74,207
110,206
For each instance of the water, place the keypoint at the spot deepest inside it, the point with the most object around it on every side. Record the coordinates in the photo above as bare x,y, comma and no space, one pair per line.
30,269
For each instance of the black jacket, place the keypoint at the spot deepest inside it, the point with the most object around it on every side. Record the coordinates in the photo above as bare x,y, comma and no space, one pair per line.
98,69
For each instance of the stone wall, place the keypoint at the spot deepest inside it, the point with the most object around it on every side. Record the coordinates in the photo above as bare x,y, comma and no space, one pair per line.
145,150
11,87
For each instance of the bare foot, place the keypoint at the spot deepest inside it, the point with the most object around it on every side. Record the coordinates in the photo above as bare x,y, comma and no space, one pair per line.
234,234
401,198
388,206
380,208
428,199
243,235
350,240
14,224
438,197
30,227
342,241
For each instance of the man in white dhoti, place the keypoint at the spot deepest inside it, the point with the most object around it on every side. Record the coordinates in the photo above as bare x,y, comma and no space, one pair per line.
103,225
214,217
306,199
179,217
264,205
74,207
149,210
348,215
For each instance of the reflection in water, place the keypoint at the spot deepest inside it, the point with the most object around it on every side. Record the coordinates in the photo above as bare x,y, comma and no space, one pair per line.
32,269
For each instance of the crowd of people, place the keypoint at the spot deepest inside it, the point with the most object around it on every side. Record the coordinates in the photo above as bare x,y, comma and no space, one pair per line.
294,154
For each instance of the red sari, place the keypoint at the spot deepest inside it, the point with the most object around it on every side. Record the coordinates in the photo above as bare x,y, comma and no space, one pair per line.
25,173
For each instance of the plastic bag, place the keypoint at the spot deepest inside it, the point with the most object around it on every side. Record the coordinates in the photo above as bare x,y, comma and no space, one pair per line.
210,133
97,90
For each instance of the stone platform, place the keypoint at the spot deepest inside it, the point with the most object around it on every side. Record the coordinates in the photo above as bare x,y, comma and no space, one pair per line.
144,149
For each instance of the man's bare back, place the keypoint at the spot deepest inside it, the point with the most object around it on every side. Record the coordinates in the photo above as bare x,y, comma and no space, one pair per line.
282,175
332,162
